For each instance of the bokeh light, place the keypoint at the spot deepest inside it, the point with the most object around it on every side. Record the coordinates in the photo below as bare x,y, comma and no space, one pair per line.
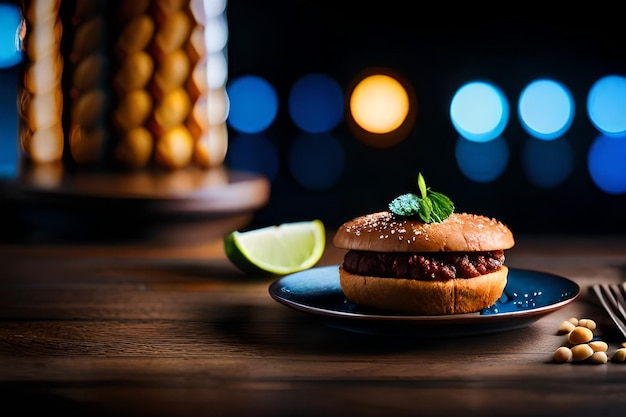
546,109
253,104
606,162
482,161
381,107
253,153
316,161
10,23
316,103
479,111
379,103
606,105
9,153
547,163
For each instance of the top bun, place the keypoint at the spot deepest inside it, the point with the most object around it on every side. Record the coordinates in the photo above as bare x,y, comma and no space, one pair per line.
386,232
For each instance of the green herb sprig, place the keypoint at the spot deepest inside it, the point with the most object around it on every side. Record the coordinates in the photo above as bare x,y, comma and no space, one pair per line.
431,207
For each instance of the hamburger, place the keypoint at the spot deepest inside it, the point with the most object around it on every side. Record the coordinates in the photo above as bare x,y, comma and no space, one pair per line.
435,264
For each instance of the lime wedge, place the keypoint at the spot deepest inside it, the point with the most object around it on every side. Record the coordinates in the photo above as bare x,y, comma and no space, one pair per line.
277,250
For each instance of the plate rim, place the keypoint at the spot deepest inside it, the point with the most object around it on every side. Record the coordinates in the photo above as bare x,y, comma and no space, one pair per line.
456,318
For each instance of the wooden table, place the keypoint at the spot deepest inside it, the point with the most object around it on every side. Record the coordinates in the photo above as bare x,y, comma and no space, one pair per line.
138,329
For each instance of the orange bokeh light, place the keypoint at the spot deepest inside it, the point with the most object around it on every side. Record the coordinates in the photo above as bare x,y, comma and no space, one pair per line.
379,104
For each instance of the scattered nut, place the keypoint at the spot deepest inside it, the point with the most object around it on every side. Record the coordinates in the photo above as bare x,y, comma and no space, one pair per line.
580,335
581,352
598,358
566,327
583,347
564,354
599,346
588,323
619,355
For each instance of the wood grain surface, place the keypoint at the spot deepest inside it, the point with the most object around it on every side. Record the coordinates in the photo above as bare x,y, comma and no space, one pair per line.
142,329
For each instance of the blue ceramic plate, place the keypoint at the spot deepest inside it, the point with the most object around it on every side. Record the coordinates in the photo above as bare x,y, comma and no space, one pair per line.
528,296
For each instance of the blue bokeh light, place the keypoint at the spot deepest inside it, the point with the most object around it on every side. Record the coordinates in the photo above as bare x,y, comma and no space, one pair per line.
316,161
546,109
479,111
9,153
547,163
316,103
606,161
10,23
253,104
482,161
606,105
253,153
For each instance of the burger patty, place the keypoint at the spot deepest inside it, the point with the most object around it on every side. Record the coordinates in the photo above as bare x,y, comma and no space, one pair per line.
424,265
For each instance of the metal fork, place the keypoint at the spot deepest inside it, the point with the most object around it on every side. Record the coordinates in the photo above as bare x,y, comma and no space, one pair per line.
612,298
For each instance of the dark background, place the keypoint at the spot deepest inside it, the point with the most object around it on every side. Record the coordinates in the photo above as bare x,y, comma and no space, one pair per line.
437,48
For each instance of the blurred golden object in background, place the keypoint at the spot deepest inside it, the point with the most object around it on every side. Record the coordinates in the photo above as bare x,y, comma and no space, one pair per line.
171,111
211,148
134,72
88,73
85,143
175,148
136,35
117,84
43,145
133,110
135,148
40,103
172,73
88,111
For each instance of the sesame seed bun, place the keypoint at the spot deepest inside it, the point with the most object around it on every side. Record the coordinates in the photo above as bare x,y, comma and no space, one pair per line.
461,232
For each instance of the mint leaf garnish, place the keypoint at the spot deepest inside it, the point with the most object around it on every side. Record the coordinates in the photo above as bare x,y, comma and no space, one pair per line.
442,206
431,207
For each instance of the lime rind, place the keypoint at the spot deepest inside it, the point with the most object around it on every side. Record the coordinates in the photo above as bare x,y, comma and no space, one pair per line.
277,250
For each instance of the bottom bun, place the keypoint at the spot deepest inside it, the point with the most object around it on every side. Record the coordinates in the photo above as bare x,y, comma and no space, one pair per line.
454,296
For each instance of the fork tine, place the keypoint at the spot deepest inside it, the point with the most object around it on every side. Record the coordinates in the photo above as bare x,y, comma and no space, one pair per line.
610,303
619,297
